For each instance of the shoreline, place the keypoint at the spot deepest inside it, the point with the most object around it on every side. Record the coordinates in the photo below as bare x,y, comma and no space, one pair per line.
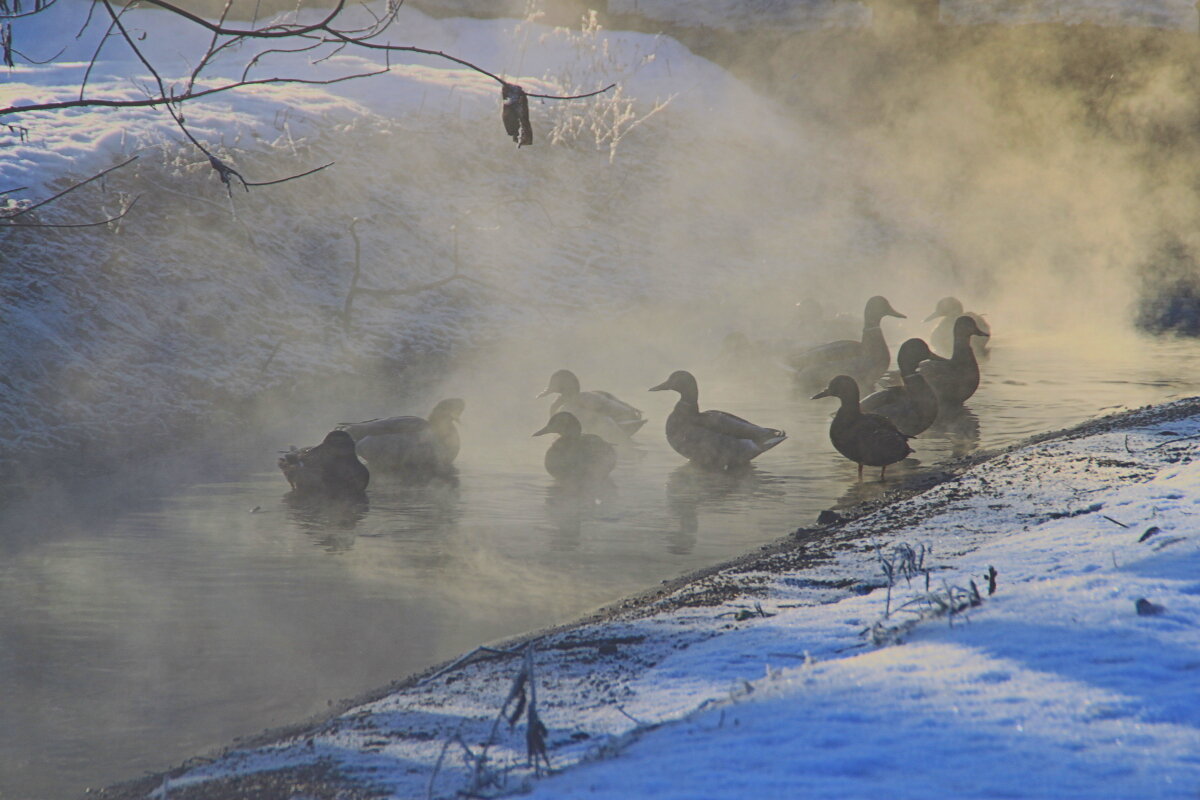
408,739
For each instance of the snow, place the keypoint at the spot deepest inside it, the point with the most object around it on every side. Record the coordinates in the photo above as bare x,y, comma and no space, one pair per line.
796,683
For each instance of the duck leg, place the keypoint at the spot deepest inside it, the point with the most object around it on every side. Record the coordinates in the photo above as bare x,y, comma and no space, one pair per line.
860,467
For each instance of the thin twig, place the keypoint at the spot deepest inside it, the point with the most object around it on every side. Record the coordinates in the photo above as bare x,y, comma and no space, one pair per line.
70,189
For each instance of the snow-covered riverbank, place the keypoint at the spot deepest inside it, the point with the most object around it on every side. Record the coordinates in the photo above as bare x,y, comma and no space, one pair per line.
784,674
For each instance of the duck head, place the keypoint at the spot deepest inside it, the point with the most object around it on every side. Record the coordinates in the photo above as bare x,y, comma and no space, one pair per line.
680,381
946,307
876,309
966,327
563,423
562,382
451,408
842,387
912,353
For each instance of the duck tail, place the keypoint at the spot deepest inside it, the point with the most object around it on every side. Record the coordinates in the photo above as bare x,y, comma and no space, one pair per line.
774,439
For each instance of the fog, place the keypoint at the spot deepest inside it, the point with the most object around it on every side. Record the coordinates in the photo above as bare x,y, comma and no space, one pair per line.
1044,173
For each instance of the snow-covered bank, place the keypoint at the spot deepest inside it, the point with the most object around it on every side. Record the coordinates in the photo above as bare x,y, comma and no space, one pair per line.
784,675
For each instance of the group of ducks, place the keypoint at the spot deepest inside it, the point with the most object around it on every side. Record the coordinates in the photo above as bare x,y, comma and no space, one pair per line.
871,431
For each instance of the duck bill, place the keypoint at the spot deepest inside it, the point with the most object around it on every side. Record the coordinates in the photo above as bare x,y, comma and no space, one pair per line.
662,387
820,394
544,430
545,392
894,313
933,316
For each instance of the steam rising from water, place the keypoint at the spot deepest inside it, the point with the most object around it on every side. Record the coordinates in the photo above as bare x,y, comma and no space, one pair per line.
1034,171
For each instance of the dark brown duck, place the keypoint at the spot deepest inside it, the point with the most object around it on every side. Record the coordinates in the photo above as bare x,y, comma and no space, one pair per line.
714,439
912,406
576,455
949,309
865,439
956,378
330,468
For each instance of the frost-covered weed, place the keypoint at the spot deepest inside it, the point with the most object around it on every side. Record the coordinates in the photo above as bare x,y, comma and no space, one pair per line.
603,120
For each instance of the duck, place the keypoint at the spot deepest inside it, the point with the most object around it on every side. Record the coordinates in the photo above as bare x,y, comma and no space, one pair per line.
599,412
330,468
956,378
713,439
864,438
409,443
912,406
864,360
576,455
950,309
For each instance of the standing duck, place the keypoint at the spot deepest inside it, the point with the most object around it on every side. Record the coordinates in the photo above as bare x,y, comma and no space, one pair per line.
956,378
714,439
410,444
598,412
950,309
576,455
864,360
330,468
865,439
913,406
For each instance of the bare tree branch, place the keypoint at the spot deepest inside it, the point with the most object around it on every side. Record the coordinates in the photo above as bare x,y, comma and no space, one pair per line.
38,7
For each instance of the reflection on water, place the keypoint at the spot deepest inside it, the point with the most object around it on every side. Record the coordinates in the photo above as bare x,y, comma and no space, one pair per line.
140,632
958,428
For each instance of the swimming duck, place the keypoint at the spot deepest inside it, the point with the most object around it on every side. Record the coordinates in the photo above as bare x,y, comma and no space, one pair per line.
576,455
410,444
865,439
912,406
330,468
714,439
956,378
598,412
950,309
864,360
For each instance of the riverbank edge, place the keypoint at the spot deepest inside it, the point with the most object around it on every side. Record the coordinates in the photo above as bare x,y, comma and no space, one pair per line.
735,581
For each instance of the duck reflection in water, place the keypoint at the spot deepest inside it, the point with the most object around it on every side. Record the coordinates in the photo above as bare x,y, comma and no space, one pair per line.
424,503
958,426
330,521
693,486
570,504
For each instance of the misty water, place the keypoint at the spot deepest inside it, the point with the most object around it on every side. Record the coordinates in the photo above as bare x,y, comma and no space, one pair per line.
151,617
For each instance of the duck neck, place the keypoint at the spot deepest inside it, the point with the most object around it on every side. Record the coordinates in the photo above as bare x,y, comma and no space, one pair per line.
963,353
874,343
848,410
688,404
